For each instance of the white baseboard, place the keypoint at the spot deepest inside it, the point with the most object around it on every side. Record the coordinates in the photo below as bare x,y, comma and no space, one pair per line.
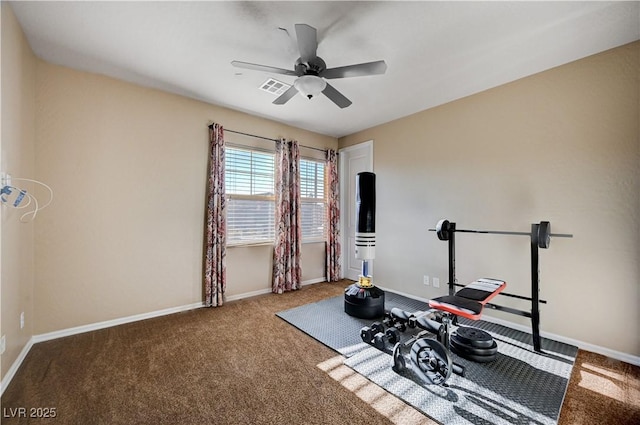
404,294
248,294
312,281
115,322
15,366
618,355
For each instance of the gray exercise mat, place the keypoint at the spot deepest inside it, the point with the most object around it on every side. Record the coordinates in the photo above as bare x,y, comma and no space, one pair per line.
520,387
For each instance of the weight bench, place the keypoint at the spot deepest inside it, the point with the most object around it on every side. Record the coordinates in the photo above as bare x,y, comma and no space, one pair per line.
470,300
471,343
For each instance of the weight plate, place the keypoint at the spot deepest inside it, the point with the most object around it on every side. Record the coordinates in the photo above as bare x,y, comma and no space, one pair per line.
478,359
442,230
398,360
475,351
544,234
474,337
431,361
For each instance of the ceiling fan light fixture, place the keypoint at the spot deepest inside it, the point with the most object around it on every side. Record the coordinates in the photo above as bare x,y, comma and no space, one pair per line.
312,71
310,85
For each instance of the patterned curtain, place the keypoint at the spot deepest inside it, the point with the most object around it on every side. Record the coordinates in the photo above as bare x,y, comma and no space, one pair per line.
288,244
333,218
216,227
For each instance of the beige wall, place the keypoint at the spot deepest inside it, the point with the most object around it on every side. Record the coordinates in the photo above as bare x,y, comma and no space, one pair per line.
17,157
128,165
563,146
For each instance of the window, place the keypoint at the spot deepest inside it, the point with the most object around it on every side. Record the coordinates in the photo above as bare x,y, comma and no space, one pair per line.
313,200
249,181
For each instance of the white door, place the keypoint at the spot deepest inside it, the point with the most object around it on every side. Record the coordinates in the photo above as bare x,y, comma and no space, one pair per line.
352,160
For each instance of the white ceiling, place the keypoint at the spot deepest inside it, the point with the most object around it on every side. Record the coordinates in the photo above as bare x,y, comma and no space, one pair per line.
436,52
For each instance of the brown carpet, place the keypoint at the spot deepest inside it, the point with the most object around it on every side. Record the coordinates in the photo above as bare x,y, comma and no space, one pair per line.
240,364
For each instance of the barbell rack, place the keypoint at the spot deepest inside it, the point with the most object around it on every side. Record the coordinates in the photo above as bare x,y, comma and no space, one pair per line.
534,234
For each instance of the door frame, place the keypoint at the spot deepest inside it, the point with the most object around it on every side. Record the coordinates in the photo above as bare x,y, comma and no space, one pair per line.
368,146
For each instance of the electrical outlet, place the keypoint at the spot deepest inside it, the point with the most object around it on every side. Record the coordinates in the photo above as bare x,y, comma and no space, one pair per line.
436,282
425,280
22,320
3,344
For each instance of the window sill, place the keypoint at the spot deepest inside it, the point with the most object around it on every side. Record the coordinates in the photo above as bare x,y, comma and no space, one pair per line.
249,244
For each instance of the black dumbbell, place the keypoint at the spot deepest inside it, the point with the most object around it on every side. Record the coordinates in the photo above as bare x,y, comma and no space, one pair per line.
369,332
400,326
388,320
391,321
392,335
403,318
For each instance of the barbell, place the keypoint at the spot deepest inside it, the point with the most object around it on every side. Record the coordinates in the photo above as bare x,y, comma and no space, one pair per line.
444,228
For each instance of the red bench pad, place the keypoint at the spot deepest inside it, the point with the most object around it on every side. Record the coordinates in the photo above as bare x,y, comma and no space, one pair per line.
470,300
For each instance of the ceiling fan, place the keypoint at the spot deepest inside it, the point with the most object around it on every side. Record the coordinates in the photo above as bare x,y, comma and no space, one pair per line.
312,71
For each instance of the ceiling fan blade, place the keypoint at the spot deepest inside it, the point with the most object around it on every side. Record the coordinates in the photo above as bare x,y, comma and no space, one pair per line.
307,42
359,70
284,97
264,68
335,96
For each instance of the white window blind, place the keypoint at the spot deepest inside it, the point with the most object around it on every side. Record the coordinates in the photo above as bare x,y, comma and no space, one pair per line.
249,180
313,200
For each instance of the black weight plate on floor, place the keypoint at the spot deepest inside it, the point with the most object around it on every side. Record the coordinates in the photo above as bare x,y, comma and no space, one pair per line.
473,337
478,359
474,350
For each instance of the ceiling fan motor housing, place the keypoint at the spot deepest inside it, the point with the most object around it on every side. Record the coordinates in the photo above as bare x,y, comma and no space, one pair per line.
313,67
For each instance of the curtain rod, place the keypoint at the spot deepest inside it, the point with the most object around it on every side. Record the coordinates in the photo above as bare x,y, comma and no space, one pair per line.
265,138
